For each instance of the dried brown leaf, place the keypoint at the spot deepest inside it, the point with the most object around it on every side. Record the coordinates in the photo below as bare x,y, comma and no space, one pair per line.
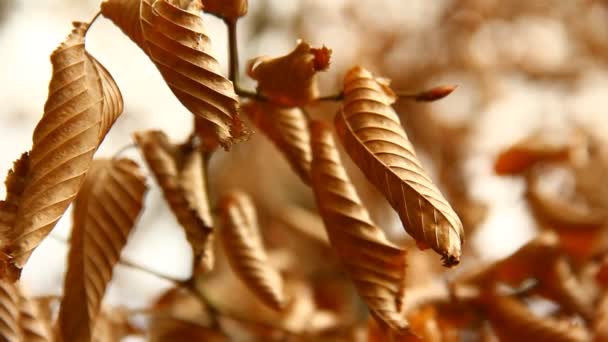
287,128
376,266
34,323
83,103
20,317
179,170
372,135
520,157
290,80
513,321
105,212
172,34
227,9
245,251
9,312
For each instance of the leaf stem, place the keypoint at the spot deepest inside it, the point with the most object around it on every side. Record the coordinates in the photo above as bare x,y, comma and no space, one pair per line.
92,21
233,51
144,269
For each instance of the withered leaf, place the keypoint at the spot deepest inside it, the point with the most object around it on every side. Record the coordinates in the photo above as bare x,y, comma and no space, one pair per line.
287,128
290,80
227,9
20,319
179,170
105,212
172,34
520,157
83,103
35,326
376,266
373,137
9,312
513,321
245,251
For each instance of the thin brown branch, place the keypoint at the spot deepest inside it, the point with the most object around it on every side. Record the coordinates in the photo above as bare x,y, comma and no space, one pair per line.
130,264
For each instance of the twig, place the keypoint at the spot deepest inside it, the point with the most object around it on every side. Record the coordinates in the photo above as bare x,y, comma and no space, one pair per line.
128,263
233,51
141,268
433,94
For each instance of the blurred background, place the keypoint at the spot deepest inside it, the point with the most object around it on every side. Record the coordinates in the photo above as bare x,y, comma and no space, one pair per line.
523,68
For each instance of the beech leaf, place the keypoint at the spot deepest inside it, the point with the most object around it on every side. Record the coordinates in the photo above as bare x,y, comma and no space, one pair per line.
83,103
245,251
373,137
376,266
172,34
290,80
179,170
287,128
105,212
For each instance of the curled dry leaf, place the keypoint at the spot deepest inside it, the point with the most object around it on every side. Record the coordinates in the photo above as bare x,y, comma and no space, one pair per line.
105,212
290,80
83,103
513,321
227,9
372,135
288,130
180,172
376,266
244,248
520,157
172,34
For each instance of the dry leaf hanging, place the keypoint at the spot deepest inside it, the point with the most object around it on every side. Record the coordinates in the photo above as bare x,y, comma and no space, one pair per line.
290,80
372,135
172,34
288,130
227,9
513,321
180,172
245,251
83,103
376,266
105,212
